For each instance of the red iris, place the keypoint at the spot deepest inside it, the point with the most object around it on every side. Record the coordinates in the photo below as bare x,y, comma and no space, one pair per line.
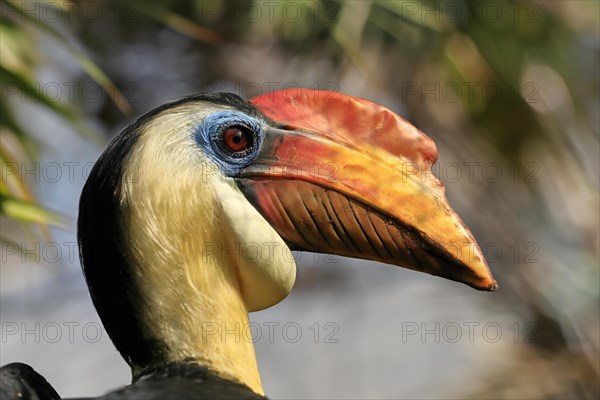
237,139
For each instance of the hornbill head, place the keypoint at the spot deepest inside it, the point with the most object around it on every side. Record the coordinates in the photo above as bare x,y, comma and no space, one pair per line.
189,216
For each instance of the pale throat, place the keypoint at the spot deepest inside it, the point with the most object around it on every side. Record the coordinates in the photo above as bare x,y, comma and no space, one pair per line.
192,302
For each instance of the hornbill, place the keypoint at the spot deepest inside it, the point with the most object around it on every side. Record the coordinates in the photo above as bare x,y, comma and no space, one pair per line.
172,203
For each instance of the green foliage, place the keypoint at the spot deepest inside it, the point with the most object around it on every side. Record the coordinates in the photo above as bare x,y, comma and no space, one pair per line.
18,63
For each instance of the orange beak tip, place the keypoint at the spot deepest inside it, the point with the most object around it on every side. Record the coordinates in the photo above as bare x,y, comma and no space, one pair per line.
493,286
488,285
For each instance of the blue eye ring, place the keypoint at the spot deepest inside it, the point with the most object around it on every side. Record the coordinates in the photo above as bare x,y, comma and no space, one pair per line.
210,132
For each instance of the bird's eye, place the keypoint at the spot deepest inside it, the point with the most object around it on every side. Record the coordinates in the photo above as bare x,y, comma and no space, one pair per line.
238,139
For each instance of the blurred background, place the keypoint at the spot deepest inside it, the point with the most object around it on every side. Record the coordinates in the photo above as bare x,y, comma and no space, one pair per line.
508,90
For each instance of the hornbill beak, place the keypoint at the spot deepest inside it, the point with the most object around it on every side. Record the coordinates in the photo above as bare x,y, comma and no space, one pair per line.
341,175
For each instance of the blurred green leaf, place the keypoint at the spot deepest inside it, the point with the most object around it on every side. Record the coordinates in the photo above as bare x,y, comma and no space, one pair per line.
86,63
180,24
25,211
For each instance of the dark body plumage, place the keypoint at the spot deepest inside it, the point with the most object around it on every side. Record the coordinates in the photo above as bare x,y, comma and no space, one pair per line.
19,381
172,381
182,381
